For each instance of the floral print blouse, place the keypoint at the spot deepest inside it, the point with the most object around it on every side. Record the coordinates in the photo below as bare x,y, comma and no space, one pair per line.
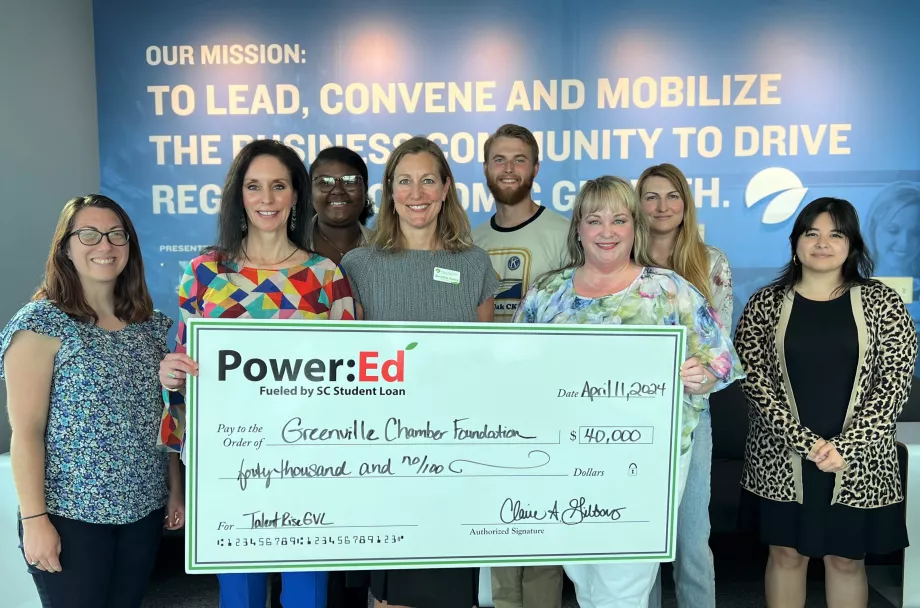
656,297
720,286
102,464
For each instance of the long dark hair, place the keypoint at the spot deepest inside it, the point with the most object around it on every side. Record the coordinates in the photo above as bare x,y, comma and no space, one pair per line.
348,157
857,268
61,283
231,218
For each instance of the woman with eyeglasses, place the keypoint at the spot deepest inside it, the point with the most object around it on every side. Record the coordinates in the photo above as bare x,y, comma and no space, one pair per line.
262,253
341,203
80,363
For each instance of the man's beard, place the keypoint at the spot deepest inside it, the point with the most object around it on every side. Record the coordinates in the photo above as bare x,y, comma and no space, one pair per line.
509,197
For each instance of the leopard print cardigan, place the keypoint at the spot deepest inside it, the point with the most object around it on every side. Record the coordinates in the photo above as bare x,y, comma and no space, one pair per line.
777,442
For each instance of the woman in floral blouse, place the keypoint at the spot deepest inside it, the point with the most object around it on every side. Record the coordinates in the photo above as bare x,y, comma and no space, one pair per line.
676,244
612,279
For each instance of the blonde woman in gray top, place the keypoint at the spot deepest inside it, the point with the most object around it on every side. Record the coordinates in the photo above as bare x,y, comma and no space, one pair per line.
422,266
676,244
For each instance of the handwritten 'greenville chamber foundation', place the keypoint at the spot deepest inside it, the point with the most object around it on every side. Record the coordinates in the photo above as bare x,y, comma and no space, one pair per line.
396,429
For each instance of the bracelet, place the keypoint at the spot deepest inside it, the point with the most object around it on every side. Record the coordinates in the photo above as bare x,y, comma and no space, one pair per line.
33,516
171,390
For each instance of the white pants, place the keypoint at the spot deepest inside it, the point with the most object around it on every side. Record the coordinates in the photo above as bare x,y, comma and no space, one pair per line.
615,585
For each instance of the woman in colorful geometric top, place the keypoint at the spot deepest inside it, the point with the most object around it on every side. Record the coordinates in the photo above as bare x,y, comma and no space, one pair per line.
612,280
261,268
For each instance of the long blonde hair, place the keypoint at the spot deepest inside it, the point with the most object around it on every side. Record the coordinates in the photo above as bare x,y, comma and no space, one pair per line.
453,224
606,192
690,258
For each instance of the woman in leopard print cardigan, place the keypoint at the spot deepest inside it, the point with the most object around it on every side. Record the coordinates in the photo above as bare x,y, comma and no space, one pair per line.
829,355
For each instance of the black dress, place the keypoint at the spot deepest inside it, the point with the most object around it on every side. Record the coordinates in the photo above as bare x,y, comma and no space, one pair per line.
822,356
433,588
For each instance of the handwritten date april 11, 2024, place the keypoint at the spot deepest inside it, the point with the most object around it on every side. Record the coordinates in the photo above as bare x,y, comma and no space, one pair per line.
616,390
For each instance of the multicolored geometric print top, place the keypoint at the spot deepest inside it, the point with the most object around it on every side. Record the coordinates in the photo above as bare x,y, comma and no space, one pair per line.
212,289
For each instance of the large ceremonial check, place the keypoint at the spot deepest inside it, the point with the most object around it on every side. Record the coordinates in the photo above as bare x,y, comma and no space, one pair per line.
320,445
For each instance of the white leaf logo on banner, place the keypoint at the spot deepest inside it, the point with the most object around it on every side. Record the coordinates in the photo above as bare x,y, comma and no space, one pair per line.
783,186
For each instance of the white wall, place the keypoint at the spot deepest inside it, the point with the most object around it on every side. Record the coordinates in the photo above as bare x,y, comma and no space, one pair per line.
49,149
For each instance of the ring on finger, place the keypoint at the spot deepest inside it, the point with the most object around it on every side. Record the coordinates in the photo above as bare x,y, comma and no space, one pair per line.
171,375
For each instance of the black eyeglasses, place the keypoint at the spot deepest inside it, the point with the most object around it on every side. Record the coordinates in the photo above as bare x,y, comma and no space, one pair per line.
326,183
90,236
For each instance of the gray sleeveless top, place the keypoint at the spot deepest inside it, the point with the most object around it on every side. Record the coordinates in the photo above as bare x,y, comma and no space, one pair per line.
439,286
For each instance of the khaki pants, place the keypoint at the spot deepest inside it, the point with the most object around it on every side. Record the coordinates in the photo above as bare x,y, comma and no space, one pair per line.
527,587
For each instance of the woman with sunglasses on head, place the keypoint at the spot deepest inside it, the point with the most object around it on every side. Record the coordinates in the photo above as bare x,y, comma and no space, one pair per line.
261,251
80,363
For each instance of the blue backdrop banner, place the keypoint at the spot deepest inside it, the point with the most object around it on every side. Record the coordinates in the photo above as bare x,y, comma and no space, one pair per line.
764,105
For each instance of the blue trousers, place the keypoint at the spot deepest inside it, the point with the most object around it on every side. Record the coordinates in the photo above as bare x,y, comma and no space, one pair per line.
298,590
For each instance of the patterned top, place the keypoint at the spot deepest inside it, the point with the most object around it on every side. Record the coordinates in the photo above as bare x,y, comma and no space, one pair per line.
720,286
656,297
778,443
316,289
102,465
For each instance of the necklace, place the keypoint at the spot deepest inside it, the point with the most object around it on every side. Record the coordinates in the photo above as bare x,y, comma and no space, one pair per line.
341,253
274,263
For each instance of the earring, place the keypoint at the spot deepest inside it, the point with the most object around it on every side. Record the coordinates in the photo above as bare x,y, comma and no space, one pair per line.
795,260
293,216
243,224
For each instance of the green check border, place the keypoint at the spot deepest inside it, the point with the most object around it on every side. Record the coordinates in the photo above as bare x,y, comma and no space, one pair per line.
194,326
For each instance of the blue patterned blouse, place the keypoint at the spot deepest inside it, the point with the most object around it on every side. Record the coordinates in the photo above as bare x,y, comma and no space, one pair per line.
102,464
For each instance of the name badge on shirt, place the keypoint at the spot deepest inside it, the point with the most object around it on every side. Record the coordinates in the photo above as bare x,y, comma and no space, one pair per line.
445,275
